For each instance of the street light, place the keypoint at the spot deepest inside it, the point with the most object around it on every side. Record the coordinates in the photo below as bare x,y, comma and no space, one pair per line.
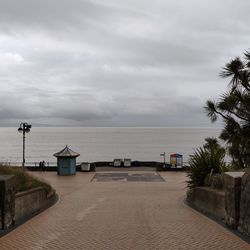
164,159
24,128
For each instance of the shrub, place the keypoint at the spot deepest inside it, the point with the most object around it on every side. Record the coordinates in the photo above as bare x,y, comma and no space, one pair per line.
24,181
205,160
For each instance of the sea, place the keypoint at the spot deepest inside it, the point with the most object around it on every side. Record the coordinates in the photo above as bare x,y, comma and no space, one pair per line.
102,143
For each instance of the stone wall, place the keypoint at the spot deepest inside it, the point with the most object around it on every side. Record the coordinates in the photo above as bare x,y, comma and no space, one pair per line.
209,200
244,219
232,203
232,185
7,200
29,202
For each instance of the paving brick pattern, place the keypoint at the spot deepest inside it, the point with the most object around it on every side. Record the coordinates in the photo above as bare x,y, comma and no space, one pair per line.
121,216
145,177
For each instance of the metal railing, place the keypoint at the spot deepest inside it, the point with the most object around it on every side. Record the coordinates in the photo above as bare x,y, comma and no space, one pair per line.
47,163
29,164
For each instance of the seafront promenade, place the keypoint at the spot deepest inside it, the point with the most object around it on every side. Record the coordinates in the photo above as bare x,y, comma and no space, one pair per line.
123,211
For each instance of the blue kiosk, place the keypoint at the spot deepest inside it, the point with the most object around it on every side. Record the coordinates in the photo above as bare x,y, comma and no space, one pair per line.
66,161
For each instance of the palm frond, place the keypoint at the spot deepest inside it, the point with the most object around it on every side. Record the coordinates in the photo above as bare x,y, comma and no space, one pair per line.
210,110
233,69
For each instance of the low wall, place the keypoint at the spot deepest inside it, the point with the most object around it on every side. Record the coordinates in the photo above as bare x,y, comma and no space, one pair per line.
244,219
231,204
30,202
232,186
7,200
209,200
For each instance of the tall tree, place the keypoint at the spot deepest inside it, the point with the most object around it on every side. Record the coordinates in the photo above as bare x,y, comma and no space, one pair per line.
234,108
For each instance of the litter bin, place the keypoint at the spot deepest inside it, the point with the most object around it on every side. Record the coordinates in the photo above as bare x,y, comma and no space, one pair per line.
117,162
127,163
85,167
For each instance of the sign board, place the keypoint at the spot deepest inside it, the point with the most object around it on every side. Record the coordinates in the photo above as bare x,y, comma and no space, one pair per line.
176,160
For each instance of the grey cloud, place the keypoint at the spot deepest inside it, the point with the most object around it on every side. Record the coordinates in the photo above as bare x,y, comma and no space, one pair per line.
116,63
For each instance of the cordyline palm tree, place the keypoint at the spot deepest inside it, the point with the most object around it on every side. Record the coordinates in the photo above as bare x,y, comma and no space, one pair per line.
234,108
205,160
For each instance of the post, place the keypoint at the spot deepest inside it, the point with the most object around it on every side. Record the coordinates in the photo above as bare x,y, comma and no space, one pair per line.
24,128
164,159
23,148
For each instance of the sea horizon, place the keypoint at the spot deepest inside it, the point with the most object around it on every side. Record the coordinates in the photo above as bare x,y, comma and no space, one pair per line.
103,143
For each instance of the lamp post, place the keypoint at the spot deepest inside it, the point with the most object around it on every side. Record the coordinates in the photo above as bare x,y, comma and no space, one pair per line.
164,159
24,128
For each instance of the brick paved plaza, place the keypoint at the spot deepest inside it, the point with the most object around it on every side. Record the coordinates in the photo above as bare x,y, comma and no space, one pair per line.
120,214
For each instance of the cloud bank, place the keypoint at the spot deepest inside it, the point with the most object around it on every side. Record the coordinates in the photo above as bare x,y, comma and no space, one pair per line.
116,63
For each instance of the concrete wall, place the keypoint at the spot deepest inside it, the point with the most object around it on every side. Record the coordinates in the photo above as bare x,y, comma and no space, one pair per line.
210,201
232,203
232,186
7,200
244,220
30,202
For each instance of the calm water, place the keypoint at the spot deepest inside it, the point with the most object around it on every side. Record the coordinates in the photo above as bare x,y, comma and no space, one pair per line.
100,144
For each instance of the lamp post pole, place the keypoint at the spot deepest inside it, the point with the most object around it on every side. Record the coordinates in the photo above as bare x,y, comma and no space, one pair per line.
24,128
23,149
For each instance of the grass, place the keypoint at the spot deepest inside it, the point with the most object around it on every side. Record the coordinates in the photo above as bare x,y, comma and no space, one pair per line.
24,181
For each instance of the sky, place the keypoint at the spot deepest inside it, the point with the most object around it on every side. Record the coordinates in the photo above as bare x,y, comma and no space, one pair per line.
114,62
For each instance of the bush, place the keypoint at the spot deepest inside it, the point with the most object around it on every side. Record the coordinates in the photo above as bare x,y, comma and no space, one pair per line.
24,181
208,159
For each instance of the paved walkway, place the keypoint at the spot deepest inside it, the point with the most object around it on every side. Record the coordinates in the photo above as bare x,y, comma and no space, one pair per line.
122,169
120,215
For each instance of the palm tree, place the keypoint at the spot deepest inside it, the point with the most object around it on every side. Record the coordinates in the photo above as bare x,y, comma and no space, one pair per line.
204,161
234,108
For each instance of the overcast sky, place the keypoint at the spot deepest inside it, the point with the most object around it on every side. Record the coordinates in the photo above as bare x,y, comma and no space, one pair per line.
114,62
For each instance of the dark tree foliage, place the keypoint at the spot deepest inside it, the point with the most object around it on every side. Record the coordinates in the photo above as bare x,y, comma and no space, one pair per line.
234,108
